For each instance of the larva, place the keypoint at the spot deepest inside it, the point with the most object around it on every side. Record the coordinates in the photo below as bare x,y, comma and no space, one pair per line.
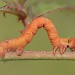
19,43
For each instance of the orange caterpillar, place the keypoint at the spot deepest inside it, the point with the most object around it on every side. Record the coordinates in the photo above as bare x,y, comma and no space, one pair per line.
19,43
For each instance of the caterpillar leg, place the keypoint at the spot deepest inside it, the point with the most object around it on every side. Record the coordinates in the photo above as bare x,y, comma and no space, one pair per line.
19,51
61,45
54,50
62,49
2,52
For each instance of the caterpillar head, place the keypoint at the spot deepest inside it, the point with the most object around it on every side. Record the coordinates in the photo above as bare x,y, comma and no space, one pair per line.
72,44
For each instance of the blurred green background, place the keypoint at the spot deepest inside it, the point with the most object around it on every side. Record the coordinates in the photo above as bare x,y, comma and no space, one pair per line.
64,22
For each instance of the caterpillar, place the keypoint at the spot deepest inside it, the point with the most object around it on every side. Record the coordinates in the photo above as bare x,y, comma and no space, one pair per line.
17,44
